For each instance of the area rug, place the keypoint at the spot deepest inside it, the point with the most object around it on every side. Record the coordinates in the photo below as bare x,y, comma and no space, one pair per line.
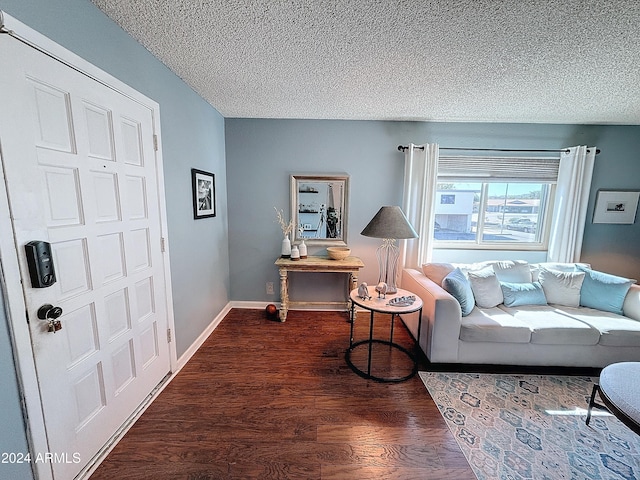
532,427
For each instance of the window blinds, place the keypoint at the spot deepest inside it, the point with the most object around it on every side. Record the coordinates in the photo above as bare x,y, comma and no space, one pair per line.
498,169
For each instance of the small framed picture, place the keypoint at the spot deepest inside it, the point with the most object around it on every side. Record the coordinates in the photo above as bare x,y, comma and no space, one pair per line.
203,185
616,207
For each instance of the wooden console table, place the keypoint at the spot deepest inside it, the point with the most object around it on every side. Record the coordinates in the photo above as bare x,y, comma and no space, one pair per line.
350,265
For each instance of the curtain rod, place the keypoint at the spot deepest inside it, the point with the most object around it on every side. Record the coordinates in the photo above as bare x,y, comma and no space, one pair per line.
402,148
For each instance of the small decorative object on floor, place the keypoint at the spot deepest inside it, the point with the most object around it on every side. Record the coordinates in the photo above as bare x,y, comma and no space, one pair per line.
287,228
363,291
381,288
272,311
295,253
402,301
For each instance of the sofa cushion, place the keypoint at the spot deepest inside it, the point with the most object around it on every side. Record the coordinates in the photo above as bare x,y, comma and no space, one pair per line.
517,271
561,287
516,294
459,287
486,287
551,326
603,291
493,325
557,266
437,271
615,330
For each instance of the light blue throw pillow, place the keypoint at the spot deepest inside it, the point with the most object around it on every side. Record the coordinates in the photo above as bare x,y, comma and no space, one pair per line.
459,287
517,294
603,291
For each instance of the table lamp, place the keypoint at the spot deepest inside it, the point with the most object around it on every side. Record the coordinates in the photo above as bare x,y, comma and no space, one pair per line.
390,223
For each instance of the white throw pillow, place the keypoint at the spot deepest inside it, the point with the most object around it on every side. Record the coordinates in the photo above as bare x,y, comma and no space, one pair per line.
557,266
512,271
561,288
486,287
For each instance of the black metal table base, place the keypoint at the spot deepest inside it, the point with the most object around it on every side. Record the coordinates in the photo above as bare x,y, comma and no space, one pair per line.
368,374
611,407
371,341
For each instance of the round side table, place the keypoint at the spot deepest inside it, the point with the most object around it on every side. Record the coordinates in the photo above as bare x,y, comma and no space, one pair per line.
381,304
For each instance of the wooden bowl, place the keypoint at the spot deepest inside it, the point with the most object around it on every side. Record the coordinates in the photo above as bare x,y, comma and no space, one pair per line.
338,253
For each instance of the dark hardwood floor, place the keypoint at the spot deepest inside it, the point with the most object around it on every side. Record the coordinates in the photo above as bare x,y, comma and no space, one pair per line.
268,400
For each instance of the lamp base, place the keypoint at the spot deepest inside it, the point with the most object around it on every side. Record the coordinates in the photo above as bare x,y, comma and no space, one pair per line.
388,254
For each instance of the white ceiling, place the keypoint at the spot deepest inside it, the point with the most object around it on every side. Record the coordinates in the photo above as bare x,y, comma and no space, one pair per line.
539,61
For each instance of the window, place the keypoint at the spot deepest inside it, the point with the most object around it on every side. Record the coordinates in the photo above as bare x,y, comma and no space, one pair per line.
494,203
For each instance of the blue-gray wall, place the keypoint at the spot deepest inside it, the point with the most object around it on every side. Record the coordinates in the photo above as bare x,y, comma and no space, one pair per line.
261,154
192,137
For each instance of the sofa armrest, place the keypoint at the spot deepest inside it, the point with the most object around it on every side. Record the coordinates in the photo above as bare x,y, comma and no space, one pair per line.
631,306
441,317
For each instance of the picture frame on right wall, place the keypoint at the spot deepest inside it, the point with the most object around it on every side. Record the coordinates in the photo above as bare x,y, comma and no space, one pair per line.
616,206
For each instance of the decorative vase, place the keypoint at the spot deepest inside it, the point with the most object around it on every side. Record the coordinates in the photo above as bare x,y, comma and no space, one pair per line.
303,249
295,253
286,247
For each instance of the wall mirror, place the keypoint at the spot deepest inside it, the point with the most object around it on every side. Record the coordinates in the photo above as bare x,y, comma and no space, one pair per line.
319,208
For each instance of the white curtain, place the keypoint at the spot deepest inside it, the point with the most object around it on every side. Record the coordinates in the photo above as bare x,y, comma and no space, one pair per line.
570,208
420,179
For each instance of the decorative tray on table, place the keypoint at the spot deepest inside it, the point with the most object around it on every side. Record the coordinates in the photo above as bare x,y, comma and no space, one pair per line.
402,301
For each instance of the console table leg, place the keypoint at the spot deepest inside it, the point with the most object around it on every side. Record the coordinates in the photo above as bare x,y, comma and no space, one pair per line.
284,295
353,284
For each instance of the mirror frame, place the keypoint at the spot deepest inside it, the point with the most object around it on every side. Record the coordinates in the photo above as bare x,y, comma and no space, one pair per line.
299,198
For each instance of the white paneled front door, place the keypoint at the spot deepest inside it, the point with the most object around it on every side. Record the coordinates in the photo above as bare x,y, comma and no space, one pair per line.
80,171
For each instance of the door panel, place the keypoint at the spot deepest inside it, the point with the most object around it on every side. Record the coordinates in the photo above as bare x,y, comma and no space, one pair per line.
79,164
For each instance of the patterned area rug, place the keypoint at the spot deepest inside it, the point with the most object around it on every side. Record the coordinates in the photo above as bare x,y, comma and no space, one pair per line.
532,427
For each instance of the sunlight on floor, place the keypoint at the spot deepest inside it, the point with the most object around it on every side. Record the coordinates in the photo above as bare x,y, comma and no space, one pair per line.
579,412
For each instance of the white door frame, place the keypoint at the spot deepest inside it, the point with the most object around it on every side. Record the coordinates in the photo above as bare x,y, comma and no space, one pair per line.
10,279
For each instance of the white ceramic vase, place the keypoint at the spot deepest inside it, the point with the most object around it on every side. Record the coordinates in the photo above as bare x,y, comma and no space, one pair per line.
303,249
286,247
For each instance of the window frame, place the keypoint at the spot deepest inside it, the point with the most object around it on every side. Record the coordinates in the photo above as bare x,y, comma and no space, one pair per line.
545,215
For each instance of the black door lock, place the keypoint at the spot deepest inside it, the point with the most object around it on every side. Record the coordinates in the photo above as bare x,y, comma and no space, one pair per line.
40,264
49,312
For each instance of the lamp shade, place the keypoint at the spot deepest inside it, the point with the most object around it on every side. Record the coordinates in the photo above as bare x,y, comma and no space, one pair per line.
389,222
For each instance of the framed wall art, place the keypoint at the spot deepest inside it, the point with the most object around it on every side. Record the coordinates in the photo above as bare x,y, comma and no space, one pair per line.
319,208
203,186
614,206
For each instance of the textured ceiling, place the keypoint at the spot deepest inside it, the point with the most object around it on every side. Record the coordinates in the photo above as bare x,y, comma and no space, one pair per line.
540,61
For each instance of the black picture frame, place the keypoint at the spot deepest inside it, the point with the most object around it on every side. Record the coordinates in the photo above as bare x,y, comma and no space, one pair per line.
203,188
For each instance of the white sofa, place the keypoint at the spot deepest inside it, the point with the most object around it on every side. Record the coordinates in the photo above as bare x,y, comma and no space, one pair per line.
542,335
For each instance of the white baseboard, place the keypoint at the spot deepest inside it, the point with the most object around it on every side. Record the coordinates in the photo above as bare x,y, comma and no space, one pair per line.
252,304
186,356
319,307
